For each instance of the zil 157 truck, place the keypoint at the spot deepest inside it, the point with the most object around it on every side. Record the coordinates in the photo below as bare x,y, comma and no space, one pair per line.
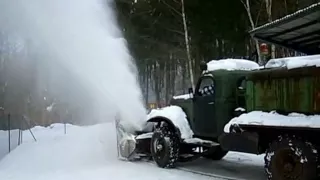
272,110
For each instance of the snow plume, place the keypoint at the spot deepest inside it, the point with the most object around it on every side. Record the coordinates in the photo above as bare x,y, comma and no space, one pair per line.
82,37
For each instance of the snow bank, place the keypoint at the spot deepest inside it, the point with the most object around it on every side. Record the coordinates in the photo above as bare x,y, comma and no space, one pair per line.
83,153
40,133
275,119
294,62
177,116
53,152
232,64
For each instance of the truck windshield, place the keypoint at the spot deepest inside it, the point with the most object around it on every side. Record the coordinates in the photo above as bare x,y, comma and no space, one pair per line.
206,87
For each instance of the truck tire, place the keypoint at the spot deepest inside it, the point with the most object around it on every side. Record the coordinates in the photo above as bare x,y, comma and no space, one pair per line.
215,153
291,158
165,146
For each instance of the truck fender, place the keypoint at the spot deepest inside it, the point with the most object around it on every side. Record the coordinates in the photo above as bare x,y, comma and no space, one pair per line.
159,119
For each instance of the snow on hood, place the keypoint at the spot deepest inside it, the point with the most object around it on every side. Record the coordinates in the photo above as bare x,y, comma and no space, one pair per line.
275,119
232,64
294,62
178,118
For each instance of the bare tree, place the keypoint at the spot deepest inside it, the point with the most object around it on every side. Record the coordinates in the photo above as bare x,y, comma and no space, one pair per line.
185,33
185,27
269,13
246,4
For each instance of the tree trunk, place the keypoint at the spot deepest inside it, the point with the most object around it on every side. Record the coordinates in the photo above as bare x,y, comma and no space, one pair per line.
184,76
157,83
247,7
269,13
186,36
167,80
173,74
147,84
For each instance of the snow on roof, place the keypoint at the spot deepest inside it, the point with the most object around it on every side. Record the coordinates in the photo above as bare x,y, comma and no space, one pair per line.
288,16
275,119
294,62
232,64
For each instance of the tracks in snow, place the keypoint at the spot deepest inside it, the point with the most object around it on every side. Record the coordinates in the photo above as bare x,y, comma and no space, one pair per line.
208,174
189,170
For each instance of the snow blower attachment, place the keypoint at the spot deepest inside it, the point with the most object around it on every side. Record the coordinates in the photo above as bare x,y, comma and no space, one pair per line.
133,145
126,143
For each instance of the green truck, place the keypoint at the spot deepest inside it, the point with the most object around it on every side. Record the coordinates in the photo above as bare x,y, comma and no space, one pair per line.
272,110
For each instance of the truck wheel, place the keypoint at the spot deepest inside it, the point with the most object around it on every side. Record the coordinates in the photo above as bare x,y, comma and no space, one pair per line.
291,158
215,153
165,146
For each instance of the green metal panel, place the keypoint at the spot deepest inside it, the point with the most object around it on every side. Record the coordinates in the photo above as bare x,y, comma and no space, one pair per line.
283,90
300,94
316,94
186,105
225,96
249,95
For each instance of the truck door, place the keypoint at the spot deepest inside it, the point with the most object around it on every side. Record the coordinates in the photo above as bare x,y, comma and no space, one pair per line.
204,108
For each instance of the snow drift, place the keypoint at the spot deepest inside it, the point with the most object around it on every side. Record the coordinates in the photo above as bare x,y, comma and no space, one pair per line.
83,153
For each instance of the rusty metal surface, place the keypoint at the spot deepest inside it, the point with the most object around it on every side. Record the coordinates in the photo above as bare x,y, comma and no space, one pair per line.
316,105
294,90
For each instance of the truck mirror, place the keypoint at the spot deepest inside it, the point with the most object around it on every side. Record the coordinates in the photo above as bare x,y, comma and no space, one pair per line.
203,66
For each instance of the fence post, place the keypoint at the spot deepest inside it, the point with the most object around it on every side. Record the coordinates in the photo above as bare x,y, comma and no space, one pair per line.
65,128
64,124
9,133
29,127
19,136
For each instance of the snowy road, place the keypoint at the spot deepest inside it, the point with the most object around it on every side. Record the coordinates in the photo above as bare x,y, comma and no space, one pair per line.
234,166
89,153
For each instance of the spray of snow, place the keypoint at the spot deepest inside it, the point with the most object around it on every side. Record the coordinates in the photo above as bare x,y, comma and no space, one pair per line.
83,37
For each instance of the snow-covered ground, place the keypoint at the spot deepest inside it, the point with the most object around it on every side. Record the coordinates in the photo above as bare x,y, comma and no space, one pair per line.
90,153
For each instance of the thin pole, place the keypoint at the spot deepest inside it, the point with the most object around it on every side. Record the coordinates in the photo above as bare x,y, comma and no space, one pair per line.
9,133
29,128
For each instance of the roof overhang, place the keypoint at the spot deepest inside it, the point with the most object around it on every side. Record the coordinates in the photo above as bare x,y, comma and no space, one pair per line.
299,31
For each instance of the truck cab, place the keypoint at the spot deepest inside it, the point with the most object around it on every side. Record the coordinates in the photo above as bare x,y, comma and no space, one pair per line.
213,102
